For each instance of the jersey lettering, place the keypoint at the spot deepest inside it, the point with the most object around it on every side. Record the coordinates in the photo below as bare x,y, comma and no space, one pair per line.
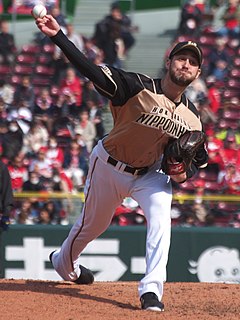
167,125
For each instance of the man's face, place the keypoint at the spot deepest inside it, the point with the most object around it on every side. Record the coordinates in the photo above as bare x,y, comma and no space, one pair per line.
183,68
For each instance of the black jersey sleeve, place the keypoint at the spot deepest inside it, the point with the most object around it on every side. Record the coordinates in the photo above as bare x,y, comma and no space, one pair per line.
115,84
83,65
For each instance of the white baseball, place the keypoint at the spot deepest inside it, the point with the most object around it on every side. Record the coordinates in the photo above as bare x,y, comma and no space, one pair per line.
39,11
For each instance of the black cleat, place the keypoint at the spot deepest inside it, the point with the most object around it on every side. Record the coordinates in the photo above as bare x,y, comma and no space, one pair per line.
50,256
86,276
149,301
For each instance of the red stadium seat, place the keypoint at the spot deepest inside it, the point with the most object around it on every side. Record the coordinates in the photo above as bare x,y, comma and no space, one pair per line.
23,70
49,48
41,81
236,62
233,83
235,73
25,59
231,114
15,80
31,49
44,71
5,70
44,59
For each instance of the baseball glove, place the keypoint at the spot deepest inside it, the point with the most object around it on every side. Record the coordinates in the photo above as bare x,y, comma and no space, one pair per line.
179,153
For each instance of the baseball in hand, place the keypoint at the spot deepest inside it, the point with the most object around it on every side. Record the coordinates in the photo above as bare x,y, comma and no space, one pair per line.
39,11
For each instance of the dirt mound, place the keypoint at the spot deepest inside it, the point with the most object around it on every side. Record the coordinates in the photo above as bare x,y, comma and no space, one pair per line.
45,300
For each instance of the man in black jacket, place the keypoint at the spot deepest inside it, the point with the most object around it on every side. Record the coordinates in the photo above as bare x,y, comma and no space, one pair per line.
6,196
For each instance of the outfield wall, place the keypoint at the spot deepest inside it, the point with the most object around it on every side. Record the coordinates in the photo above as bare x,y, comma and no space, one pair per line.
196,254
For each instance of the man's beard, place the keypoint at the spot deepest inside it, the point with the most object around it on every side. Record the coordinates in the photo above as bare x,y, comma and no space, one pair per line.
180,79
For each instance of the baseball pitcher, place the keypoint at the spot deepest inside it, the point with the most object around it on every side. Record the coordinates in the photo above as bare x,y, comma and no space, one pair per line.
157,136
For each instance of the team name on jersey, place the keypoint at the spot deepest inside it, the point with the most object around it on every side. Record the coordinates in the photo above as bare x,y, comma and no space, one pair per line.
159,118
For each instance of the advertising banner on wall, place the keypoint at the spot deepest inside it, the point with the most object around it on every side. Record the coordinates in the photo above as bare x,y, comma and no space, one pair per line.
196,254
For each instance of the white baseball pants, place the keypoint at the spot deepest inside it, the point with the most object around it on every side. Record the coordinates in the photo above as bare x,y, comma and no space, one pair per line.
105,189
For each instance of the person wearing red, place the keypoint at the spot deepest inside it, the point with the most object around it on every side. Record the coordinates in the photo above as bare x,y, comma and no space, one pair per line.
231,20
54,153
214,145
230,153
72,83
18,173
229,179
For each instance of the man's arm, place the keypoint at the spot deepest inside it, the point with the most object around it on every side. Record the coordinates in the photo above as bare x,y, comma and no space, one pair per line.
49,26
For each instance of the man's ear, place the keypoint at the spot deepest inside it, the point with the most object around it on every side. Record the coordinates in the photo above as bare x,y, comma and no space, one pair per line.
167,63
198,74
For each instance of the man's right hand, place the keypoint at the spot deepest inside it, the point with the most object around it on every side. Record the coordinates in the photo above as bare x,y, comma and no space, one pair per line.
48,25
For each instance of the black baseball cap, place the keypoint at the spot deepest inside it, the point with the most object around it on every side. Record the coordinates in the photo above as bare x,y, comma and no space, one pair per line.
188,45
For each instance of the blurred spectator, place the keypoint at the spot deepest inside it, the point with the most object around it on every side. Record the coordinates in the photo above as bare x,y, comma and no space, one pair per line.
76,38
6,92
108,37
71,85
36,138
76,164
191,19
12,140
91,51
25,92
197,93
44,108
44,216
231,20
90,93
126,27
33,183
66,104
214,147
60,60
7,44
227,134
219,60
235,223
3,131
189,220
22,114
62,183
54,153
95,116
63,130
229,179
18,173
87,130
60,17
3,110
42,165
218,52
200,212
214,100
24,213
54,210
231,152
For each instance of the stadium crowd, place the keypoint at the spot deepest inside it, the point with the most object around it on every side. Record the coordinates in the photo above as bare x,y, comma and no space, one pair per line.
51,117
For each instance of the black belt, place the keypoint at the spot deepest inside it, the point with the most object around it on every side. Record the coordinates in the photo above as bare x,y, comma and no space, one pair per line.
133,171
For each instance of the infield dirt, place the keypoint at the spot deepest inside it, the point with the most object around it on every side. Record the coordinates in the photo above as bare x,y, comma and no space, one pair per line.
45,300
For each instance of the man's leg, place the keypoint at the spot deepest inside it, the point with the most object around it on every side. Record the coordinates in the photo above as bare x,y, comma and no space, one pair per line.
155,198
102,196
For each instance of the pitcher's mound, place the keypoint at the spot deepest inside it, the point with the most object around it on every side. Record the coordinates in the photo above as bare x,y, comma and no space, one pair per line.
49,300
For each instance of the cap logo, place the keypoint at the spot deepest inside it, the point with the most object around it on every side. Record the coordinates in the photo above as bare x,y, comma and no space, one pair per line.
192,43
